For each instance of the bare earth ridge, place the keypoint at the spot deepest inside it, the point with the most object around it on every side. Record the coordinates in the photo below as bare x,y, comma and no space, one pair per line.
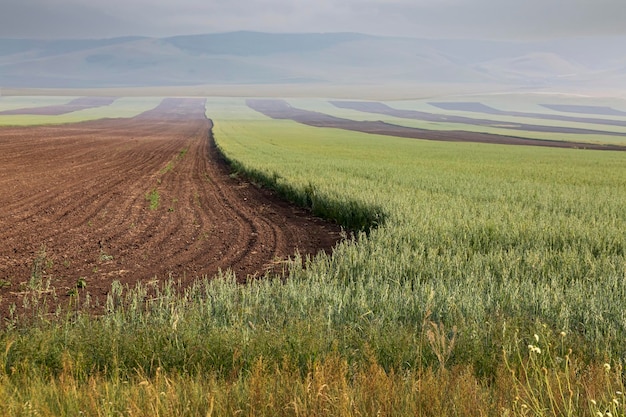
76,205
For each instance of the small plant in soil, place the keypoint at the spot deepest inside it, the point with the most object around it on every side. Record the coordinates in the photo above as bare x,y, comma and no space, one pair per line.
40,264
154,198
104,257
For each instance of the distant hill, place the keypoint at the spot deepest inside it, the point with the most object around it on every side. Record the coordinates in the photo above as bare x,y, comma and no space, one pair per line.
264,58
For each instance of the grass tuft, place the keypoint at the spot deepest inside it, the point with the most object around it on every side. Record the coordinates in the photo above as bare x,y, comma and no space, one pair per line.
154,198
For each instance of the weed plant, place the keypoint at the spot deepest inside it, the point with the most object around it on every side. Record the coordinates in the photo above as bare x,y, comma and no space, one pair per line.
154,198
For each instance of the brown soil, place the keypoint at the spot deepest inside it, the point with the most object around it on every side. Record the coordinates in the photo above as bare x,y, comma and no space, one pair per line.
280,109
75,204
380,108
474,107
74,105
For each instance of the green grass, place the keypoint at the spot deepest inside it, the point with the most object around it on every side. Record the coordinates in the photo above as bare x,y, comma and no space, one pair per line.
154,198
328,387
491,231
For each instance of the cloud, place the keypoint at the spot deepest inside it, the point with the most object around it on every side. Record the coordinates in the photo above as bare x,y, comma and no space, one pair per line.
526,19
420,18
55,19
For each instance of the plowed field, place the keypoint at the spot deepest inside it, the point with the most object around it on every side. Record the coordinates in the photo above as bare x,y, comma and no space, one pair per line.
135,200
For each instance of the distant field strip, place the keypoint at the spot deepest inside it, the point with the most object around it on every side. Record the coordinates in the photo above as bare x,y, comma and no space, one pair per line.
324,106
499,128
81,103
280,109
28,102
575,108
381,108
482,108
120,108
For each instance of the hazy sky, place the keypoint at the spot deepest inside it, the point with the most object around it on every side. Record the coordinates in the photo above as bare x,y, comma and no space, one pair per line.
492,19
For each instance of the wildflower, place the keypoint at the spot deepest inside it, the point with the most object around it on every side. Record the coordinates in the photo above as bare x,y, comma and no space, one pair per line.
537,337
607,367
619,393
563,334
593,402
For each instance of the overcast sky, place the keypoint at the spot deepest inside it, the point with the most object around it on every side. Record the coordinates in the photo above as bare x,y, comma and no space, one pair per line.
488,19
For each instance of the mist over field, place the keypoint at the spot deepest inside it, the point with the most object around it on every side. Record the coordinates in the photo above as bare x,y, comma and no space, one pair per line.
311,59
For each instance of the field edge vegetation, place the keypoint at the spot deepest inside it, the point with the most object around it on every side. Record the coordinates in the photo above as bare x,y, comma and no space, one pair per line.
218,348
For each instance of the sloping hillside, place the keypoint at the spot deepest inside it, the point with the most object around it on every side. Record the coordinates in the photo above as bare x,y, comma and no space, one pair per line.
263,58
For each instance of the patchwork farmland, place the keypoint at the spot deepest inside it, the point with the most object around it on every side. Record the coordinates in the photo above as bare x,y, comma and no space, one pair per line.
454,274
278,109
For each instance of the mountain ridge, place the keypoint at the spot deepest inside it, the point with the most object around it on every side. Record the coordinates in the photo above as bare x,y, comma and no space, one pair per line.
246,57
